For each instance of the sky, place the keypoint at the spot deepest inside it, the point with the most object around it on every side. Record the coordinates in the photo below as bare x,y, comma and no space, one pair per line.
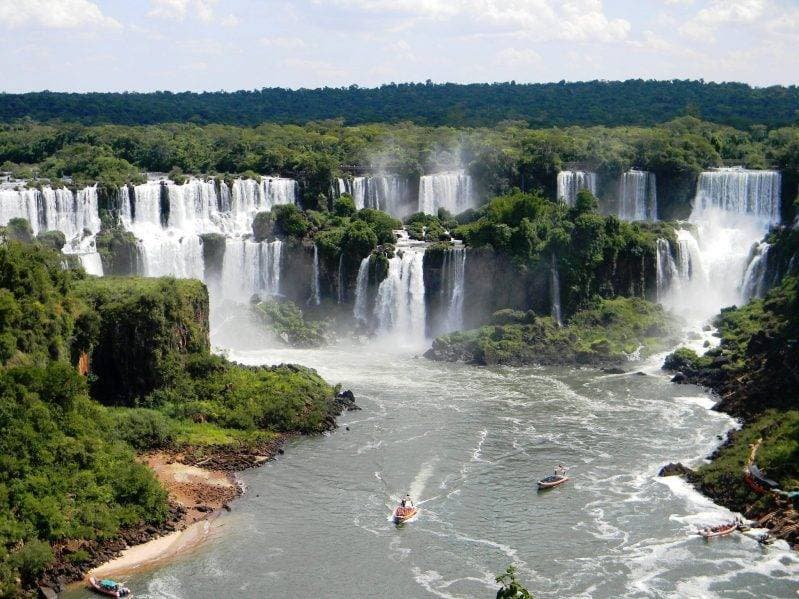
146,45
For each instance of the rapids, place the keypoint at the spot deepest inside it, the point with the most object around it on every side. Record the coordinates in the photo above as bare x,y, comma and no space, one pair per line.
468,444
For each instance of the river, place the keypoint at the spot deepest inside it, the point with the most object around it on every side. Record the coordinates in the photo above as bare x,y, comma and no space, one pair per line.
468,443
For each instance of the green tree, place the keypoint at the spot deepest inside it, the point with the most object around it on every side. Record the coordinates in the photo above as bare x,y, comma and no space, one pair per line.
510,587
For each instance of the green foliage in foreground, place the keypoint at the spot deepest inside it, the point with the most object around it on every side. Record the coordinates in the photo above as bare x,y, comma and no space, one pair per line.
778,457
606,334
286,320
64,471
511,587
67,468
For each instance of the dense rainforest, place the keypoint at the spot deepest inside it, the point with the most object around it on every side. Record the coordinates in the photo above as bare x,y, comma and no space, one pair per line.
500,158
632,102
68,477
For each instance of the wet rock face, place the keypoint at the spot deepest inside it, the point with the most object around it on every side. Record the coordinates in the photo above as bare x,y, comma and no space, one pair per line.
677,469
493,282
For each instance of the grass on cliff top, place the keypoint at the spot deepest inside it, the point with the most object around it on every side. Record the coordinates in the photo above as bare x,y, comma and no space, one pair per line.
778,456
610,332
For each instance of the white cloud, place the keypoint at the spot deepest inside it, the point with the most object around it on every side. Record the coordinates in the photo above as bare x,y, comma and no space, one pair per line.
202,10
55,14
230,21
518,57
572,20
286,43
706,22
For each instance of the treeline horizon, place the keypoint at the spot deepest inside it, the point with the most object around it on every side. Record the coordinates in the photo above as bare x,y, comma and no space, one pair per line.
590,103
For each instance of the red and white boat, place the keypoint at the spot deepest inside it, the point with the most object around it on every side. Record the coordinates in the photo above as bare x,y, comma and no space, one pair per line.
404,513
719,530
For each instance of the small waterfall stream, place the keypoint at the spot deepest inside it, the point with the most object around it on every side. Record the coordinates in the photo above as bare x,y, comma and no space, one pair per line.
453,271
554,291
315,298
638,196
570,182
361,292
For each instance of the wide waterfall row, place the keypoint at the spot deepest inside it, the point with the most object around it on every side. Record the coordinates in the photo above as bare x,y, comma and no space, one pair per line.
638,196
570,182
74,214
168,220
452,190
741,191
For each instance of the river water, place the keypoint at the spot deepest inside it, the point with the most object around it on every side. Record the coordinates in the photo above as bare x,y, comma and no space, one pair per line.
468,443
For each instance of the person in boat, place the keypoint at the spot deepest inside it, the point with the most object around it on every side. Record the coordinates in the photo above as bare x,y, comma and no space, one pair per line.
406,501
560,470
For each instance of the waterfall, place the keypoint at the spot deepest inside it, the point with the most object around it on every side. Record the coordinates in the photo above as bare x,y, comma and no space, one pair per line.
361,291
570,182
754,284
76,215
342,283
741,191
388,193
20,204
400,304
732,211
554,291
453,271
666,268
638,196
450,190
250,268
315,293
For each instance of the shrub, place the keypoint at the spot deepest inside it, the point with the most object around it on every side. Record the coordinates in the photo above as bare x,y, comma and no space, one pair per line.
144,429
344,206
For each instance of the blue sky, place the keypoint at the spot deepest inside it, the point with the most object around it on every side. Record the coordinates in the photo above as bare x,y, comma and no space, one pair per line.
144,45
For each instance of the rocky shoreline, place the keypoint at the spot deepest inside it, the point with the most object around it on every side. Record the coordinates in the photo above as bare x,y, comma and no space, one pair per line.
778,514
201,483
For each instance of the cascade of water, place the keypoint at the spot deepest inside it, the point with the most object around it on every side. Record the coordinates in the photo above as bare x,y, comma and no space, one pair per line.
732,211
450,190
638,196
754,285
388,193
570,182
342,283
400,305
271,264
315,293
666,268
19,204
250,268
554,291
361,291
453,271
741,191
200,207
